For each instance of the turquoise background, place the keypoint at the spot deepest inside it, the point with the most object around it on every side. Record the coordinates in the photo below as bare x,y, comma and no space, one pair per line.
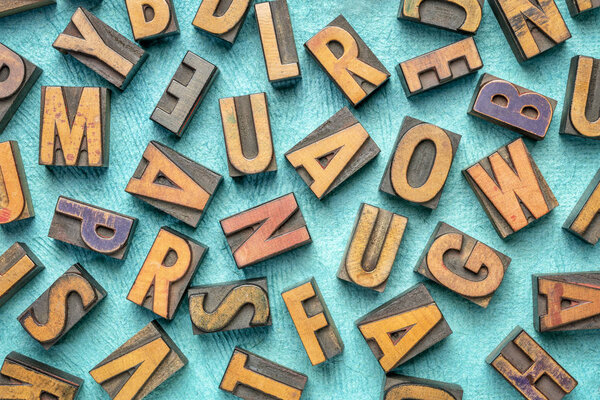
567,163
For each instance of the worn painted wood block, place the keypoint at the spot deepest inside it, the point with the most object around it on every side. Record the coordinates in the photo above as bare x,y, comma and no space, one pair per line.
152,19
453,15
18,266
222,19
10,7
583,221
15,199
402,387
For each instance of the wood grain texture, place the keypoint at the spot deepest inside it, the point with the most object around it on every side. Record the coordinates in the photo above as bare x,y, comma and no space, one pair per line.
222,19
152,19
10,7
15,198
462,16
584,220
577,7
18,266
402,387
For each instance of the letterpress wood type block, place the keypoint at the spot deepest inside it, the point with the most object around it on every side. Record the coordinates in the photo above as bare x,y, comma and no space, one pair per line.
222,19
265,231
93,228
166,273
24,378
18,265
566,302
576,7
462,264
404,327
440,66
173,183
140,365
185,92
401,387
512,106
581,111
229,306
532,371
75,126
530,27
15,199
100,48
251,377
420,164
372,247
583,220
510,188
9,7
70,298
247,132
152,19
332,153
17,76
347,60
277,40
453,15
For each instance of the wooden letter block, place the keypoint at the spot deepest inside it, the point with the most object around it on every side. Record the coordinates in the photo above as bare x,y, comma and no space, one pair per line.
55,312
173,183
247,132
9,7
332,153
313,322
15,199
404,327
152,19
462,16
266,231
401,387
251,377
347,60
462,264
566,302
17,76
221,18
229,306
18,265
583,220
510,188
167,272
140,365
24,378
532,371
513,107
187,89
372,247
440,66
576,7
93,228
418,168
530,27
581,111
75,126
100,48
277,40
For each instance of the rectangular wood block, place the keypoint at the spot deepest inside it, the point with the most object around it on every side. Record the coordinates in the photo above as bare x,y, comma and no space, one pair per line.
15,199
577,7
463,17
152,19
398,387
18,266
583,221
10,7
222,19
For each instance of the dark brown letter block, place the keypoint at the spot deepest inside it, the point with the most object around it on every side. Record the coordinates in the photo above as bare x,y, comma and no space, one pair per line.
17,76
581,110
140,365
247,132
70,298
332,153
93,228
187,89
566,302
75,126
24,378
576,7
347,60
152,19
266,231
404,327
313,322
9,7
462,16
462,264
173,183
222,19
15,199
420,164
530,27
510,188
229,306
100,48
440,66
583,220
401,387
251,377
18,265
167,271
532,371
372,247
